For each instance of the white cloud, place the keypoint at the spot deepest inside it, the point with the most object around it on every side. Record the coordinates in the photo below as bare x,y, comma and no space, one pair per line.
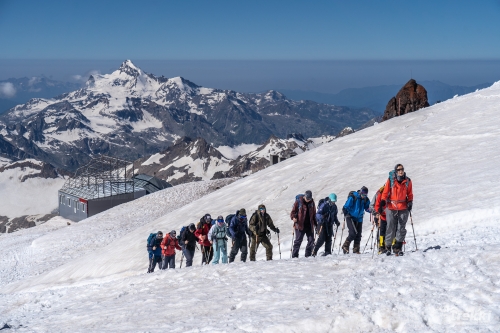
33,80
85,77
7,89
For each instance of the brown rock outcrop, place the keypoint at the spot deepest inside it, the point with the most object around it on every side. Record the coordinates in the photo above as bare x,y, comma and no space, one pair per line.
411,97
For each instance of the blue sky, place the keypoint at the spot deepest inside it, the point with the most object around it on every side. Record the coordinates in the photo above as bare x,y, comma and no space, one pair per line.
257,45
298,30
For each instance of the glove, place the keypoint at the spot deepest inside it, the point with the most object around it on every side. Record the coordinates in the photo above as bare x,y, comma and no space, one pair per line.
381,207
226,239
409,205
277,230
337,223
344,211
382,203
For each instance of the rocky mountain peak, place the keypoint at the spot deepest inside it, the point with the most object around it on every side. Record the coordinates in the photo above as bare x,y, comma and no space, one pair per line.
411,97
129,68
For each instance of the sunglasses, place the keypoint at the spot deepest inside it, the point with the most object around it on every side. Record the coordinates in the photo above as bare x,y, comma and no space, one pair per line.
262,209
400,169
243,217
220,221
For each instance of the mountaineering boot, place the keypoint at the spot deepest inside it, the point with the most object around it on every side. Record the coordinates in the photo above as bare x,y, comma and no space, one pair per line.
398,249
356,247
388,250
382,250
346,245
314,253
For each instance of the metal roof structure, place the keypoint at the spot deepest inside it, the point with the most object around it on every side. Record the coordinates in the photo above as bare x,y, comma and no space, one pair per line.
103,177
149,183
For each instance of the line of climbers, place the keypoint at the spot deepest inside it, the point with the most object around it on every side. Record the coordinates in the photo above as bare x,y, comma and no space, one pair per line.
390,208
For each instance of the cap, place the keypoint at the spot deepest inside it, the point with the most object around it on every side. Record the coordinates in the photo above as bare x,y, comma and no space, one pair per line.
262,206
192,227
308,195
243,211
333,197
173,233
160,233
220,217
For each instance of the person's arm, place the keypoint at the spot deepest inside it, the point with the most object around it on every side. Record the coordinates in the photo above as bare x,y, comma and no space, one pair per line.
347,206
163,243
385,193
409,191
177,246
271,225
253,224
314,213
231,227
210,233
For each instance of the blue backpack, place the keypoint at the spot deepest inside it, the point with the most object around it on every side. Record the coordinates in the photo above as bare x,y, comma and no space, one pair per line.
150,238
181,233
297,199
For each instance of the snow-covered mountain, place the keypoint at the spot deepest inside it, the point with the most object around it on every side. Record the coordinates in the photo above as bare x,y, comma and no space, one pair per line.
193,160
130,113
449,284
28,192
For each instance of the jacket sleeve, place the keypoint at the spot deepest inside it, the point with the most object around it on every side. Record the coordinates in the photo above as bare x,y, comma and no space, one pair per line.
387,189
177,246
248,230
210,232
314,213
270,223
231,227
367,206
376,205
198,233
409,194
334,213
295,211
163,242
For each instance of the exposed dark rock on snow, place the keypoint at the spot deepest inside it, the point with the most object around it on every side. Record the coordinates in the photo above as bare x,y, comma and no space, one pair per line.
411,97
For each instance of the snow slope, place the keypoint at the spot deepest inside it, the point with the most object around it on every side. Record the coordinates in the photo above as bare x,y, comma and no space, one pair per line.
450,152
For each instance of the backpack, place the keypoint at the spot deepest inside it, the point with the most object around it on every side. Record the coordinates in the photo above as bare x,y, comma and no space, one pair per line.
150,238
228,222
392,177
297,199
181,233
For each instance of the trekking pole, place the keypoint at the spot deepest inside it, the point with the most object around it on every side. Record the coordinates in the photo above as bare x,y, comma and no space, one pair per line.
291,245
279,245
341,234
334,238
182,258
414,238
375,245
371,234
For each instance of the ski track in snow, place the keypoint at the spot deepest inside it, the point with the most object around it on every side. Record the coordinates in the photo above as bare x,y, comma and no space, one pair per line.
448,150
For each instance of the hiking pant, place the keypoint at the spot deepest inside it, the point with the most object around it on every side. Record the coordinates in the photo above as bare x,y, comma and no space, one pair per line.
188,254
152,262
396,226
220,248
265,242
207,252
168,261
355,229
239,244
299,236
325,236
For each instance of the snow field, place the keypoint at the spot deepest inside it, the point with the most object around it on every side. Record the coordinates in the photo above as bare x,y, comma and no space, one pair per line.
448,151
31,252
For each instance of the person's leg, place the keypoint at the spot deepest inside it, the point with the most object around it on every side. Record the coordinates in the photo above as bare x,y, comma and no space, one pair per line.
151,258
164,264
224,252
171,260
210,252
351,235
310,243
244,249
390,232
268,246
402,219
321,239
357,238
253,248
234,250
328,240
188,254
216,250
299,236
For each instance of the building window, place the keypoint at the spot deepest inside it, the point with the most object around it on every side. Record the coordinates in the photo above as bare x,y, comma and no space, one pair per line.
83,208
69,202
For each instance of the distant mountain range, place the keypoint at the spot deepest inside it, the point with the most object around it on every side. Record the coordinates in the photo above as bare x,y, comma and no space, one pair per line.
130,114
377,97
18,91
